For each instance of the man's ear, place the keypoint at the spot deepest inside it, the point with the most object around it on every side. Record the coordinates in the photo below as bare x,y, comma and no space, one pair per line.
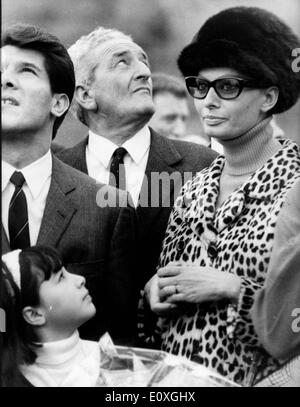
271,97
34,316
60,104
85,97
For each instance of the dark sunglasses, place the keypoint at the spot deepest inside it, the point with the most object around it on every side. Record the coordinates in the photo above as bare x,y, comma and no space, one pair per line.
225,88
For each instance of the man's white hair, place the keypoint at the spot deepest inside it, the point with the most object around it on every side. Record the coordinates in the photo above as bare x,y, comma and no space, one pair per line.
85,61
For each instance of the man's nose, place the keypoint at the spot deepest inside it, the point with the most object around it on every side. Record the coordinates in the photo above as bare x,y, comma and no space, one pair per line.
142,70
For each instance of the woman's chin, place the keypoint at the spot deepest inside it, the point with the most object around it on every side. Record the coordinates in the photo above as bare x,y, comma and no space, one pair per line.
214,132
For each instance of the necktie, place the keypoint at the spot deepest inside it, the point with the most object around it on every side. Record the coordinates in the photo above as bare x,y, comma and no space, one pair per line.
17,215
117,169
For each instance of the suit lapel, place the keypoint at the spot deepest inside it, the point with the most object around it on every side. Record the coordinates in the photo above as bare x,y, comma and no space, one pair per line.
80,156
5,246
59,208
75,156
162,158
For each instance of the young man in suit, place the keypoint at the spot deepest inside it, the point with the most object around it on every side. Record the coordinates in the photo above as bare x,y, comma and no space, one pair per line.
113,98
46,202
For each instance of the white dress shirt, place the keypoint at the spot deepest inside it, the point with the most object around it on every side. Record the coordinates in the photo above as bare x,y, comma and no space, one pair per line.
99,152
36,187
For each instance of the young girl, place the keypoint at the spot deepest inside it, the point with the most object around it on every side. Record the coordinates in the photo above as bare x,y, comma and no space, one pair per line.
11,344
52,305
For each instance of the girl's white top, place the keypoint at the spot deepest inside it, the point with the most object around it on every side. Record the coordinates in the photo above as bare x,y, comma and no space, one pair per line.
70,362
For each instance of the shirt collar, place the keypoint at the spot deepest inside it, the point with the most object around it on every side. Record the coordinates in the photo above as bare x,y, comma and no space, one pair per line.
139,144
35,174
103,149
7,171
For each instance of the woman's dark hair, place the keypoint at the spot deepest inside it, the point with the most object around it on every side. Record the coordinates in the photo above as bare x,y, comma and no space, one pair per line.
58,63
37,264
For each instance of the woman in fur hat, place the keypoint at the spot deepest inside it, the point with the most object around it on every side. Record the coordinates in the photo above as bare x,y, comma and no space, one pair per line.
238,69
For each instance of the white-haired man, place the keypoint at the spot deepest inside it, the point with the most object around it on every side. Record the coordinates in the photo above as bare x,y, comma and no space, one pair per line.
113,98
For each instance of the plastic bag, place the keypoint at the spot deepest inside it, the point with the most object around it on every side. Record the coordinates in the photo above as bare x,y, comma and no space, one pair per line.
123,366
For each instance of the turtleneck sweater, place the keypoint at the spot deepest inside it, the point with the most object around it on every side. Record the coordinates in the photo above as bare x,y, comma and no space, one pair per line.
70,362
244,155
250,151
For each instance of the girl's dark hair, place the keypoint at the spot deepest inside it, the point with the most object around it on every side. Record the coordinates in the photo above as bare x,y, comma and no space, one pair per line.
37,264
12,347
58,63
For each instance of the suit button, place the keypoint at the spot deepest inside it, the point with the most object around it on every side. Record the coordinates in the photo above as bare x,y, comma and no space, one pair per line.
212,250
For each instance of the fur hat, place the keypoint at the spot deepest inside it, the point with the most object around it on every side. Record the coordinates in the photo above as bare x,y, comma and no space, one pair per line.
254,42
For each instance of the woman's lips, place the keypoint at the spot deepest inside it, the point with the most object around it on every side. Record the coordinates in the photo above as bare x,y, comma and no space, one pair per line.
213,120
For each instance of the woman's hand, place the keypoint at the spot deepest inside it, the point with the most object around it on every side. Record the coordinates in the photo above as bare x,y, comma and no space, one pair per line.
157,306
193,284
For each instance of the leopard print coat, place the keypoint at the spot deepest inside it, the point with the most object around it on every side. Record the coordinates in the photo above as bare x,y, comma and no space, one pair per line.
236,238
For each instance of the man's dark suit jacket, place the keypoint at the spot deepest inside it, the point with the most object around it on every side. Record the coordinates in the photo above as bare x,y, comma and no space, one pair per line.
95,242
165,156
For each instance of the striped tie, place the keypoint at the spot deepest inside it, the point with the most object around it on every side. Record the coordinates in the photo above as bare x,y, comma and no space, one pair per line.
17,215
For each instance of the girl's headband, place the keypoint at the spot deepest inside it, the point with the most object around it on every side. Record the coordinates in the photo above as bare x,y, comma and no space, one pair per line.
11,260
